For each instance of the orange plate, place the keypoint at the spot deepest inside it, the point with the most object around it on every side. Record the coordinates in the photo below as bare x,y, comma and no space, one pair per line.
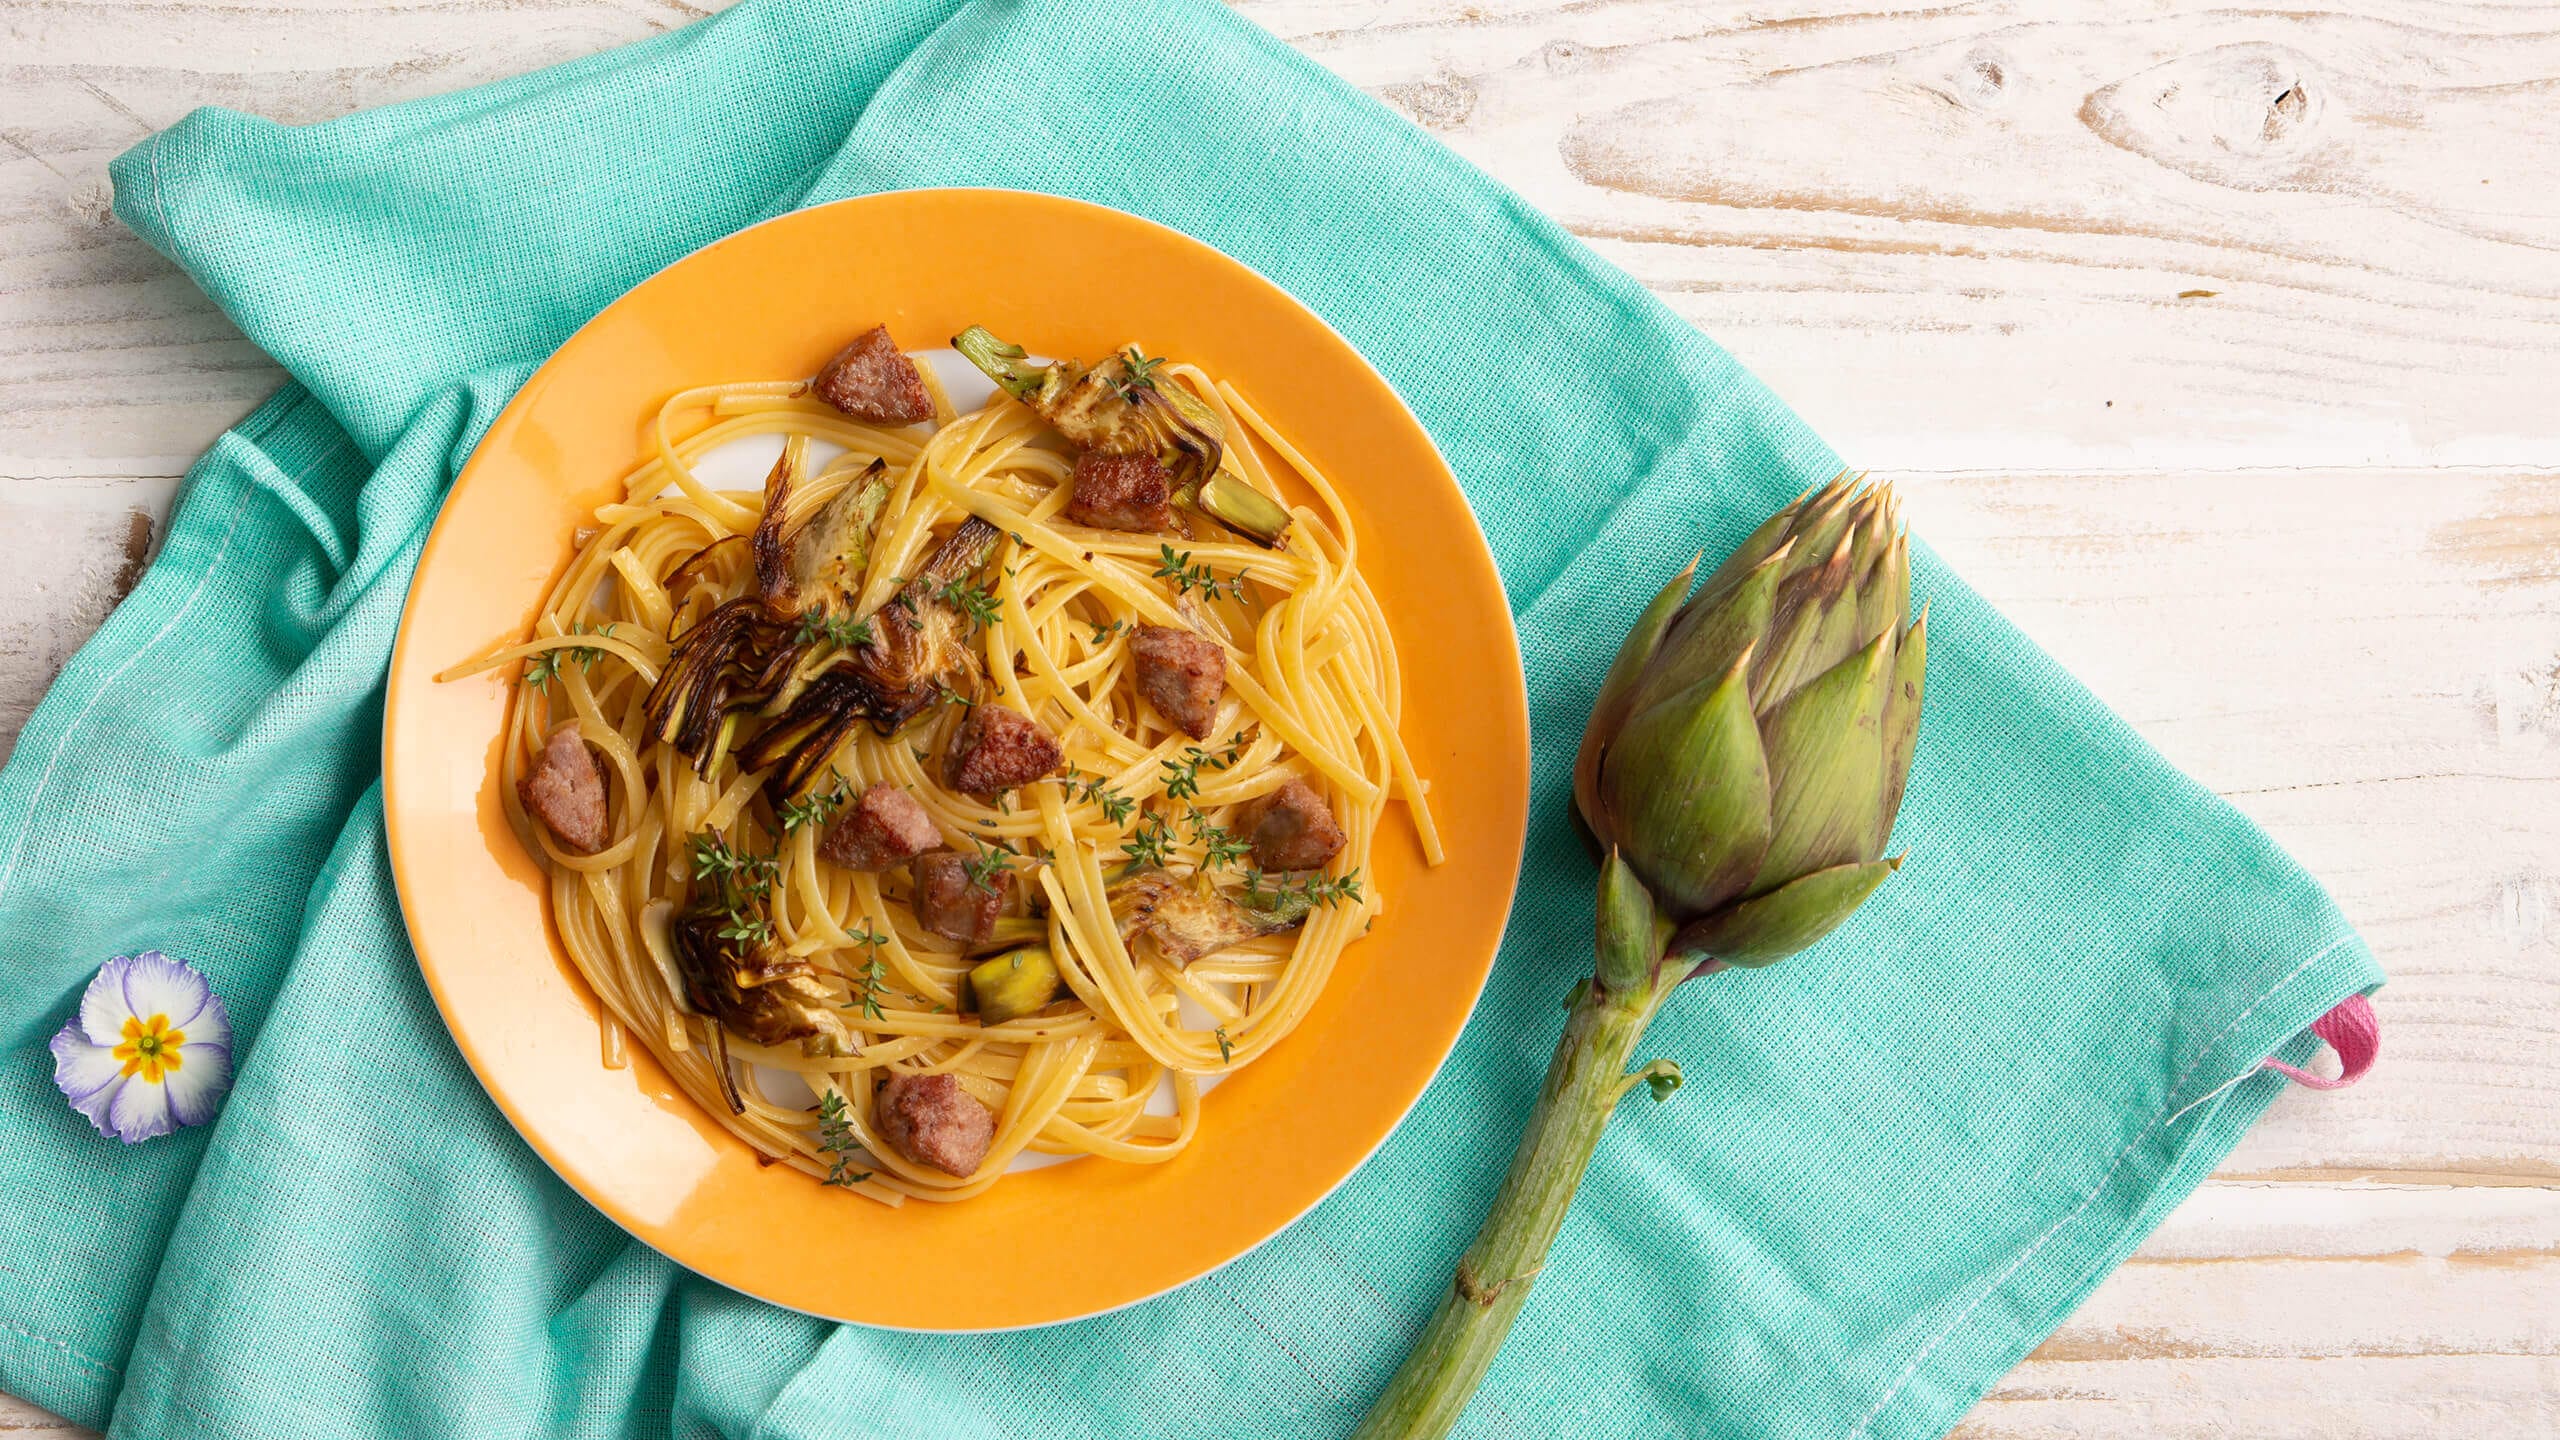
1047,1245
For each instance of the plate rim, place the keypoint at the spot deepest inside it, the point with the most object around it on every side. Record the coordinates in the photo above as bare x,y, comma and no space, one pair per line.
529,392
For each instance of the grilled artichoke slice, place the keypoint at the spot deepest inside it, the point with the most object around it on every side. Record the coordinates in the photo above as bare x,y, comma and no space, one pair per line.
1117,406
818,563
1191,918
760,995
918,648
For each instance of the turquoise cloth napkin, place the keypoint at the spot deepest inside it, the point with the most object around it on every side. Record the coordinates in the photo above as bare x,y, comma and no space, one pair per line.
1900,1161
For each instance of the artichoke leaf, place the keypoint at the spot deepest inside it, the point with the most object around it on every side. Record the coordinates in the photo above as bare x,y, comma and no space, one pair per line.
1813,626
819,564
919,643
1687,785
1826,761
1902,722
1776,925
1707,634
1617,692
1628,938
761,996
1017,983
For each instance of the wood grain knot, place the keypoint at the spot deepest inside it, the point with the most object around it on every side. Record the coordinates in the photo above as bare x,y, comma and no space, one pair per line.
2246,116
1443,103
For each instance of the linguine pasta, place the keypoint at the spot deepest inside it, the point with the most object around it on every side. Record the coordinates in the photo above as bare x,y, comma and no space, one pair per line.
1311,693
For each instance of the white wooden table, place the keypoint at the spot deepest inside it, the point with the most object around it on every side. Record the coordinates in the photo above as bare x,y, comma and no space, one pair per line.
2221,347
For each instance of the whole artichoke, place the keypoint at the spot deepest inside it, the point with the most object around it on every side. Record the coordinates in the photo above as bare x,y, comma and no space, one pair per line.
1748,749
1741,772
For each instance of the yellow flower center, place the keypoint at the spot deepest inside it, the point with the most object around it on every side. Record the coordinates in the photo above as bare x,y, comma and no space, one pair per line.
150,1048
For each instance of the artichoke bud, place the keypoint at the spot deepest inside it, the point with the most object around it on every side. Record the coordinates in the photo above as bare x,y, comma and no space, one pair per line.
1749,750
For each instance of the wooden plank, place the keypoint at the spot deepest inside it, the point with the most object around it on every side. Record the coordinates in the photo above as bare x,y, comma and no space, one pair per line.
69,550
1954,238
2072,236
2364,662
18,1418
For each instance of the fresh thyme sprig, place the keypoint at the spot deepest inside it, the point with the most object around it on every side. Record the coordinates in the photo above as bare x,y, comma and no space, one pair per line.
1219,847
875,983
1311,890
835,1135
1182,777
740,883
1093,789
1138,372
973,600
1146,845
983,868
1175,565
1102,633
816,807
1226,1049
539,670
840,630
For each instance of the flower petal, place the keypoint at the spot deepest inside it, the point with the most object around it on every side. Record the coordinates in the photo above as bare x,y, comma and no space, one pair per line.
82,1070
156,984
103,1010
197,1085
139,1111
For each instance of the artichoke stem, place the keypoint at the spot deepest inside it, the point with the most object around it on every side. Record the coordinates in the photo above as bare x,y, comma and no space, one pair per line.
1584,1083
981,348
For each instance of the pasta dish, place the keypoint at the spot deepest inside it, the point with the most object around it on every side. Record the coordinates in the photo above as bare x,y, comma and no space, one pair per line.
985,786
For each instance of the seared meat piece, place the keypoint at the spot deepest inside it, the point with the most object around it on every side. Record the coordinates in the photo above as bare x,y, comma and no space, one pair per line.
1121,492
565,791
872,380
996,750
883,827
1181,674
934,1120
1292,828
953,906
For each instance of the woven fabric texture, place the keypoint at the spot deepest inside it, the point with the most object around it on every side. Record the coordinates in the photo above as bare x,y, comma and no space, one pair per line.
1900,1160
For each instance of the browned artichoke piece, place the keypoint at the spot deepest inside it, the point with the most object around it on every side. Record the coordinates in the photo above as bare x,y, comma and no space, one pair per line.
1189,918
687,705
806,735
818,562
761,996
697,568
1118,406
920,641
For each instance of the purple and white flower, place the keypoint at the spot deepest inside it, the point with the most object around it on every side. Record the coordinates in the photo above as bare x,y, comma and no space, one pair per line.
150,1050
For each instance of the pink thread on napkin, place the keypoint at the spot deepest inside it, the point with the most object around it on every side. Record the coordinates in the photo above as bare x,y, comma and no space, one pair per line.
2353,1032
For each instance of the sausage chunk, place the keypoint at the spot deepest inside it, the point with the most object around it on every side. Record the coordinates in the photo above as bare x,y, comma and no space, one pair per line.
951,905
871,379
996,750
933,1120
565,791
1181,674
1292,828
1121,492
885,826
